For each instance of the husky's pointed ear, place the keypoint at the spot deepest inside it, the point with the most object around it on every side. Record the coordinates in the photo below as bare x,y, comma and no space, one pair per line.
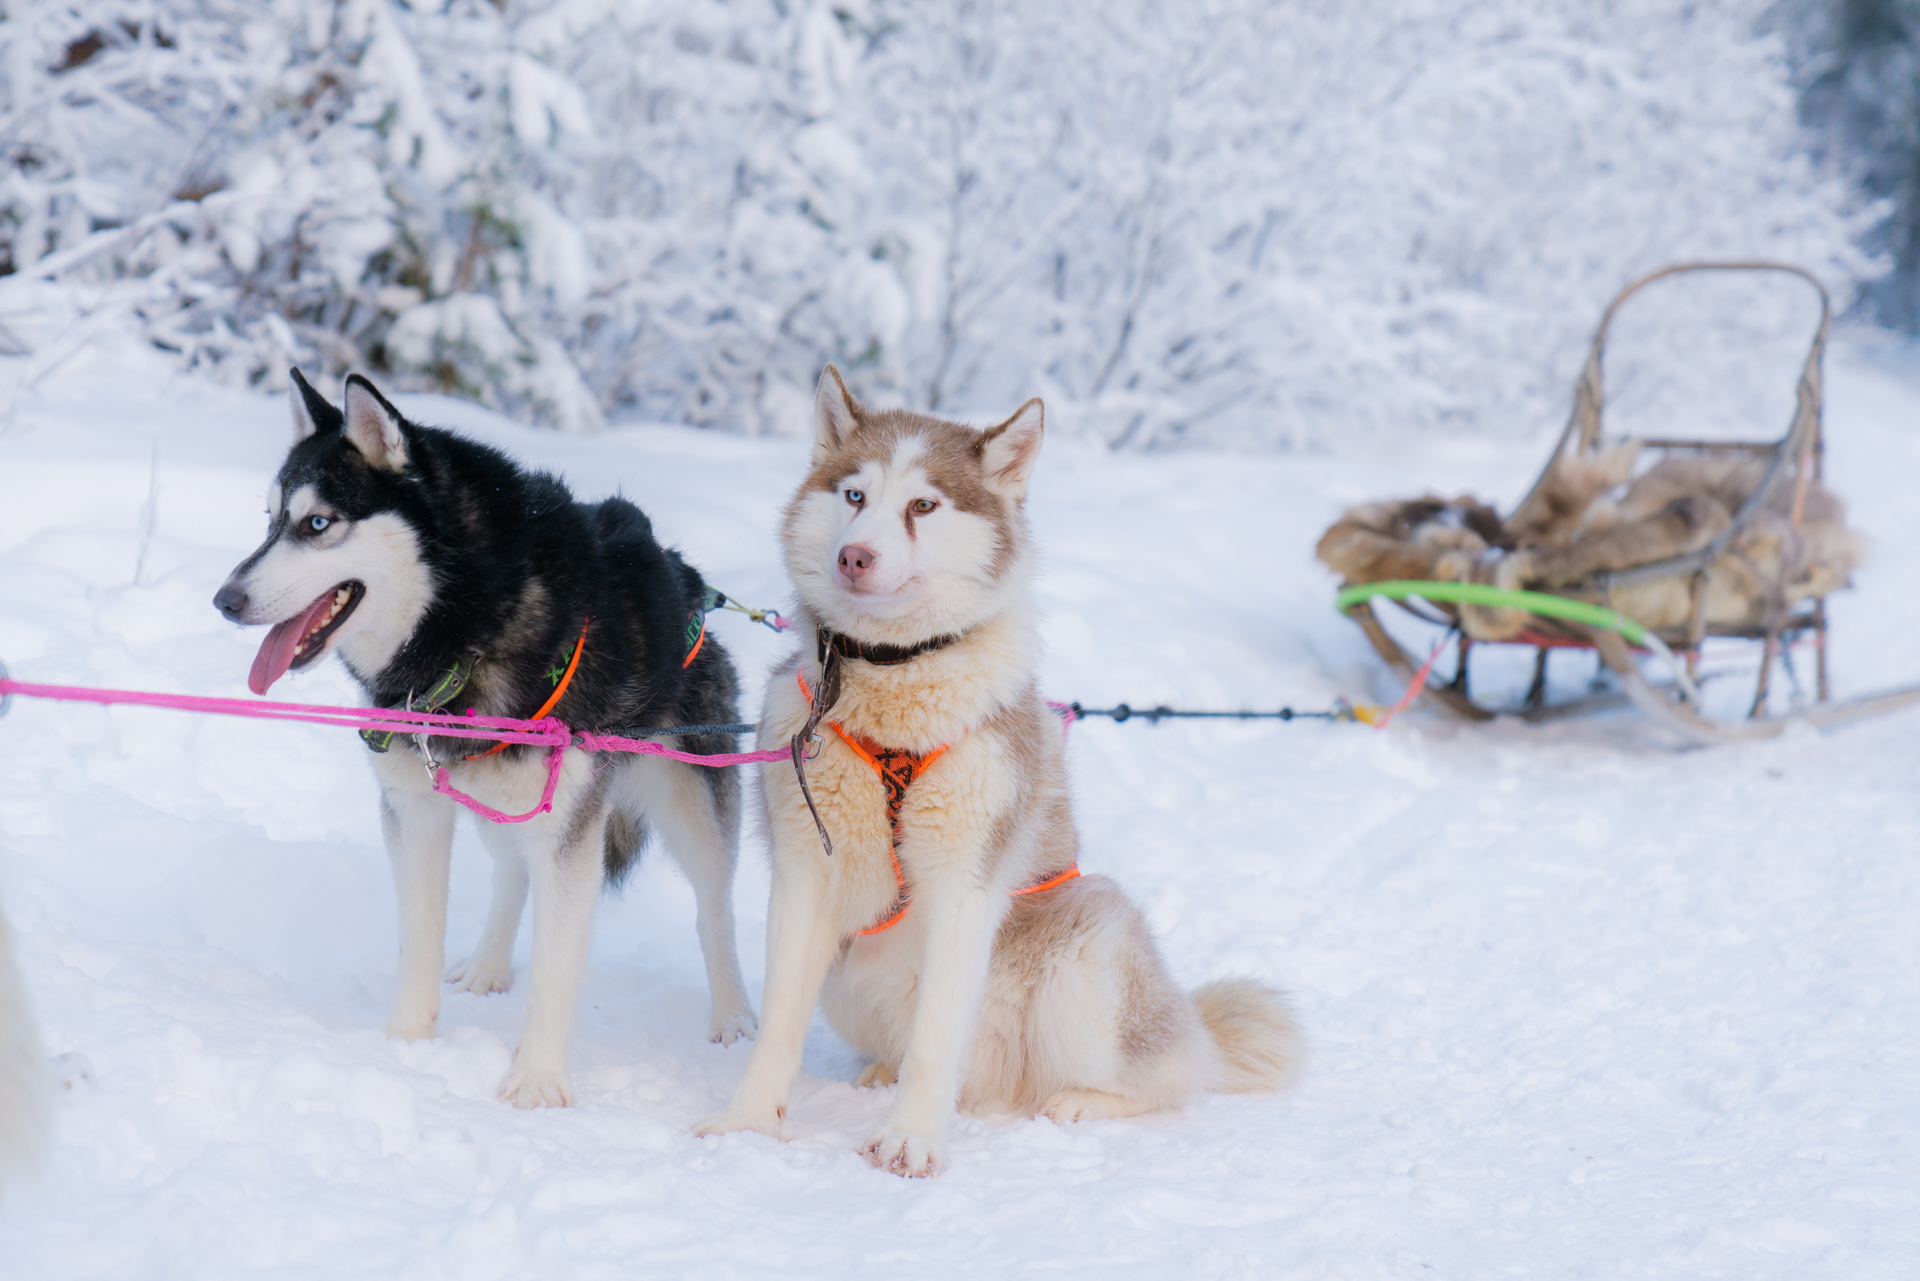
1008,451
835,413
311,412
374,426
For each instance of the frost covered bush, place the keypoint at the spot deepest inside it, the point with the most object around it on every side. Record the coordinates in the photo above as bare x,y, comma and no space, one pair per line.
1223,222
1858,65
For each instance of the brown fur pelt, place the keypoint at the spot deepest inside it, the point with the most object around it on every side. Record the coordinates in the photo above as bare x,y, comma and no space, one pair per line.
1571,530
1379,541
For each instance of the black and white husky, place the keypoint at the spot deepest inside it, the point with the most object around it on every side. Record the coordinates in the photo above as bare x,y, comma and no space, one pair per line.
447,577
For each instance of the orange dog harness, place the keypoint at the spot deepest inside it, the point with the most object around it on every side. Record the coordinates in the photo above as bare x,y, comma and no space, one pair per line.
897,769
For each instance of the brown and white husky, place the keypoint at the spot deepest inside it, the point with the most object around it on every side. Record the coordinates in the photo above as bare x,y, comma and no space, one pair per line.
948,933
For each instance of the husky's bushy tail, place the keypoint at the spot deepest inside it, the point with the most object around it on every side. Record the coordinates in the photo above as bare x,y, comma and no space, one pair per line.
1260,1046
23,1072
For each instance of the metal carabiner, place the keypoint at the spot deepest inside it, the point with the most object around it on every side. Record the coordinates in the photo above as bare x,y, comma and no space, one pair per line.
426,753
815,745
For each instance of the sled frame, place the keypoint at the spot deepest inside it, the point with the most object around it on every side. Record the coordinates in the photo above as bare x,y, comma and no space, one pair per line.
1794,458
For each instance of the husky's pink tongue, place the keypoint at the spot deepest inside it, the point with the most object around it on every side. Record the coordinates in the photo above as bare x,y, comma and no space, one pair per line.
276,651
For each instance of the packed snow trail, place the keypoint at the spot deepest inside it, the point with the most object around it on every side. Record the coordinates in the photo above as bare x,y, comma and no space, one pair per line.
1579,1004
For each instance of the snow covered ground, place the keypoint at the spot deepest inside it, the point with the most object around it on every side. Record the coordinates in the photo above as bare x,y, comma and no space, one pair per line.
1581,1005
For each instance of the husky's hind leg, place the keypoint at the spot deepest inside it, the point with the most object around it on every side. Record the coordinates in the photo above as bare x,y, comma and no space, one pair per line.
1091,1105
490,967
418,827
1107,1032
698,814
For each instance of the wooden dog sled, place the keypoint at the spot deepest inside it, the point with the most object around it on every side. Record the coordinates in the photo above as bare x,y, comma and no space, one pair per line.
1734,539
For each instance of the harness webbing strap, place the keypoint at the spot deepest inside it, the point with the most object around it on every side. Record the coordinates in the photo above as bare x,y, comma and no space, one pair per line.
898,768
1051,881
559,690
698,640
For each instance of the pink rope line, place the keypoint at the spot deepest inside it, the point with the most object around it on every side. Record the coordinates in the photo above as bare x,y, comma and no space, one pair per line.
599,743
548,733
401,720
1067,717
719,760
445,787
1415,687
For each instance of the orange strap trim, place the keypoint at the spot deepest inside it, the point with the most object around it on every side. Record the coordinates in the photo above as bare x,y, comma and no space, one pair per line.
920,763
902,896
897,774
1051,881
695,651
559,691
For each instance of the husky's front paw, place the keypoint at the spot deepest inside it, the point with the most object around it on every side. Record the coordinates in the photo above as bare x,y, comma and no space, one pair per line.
767,1123
911,1156
481,974
728,1028
529,1087
410,1028
876,1074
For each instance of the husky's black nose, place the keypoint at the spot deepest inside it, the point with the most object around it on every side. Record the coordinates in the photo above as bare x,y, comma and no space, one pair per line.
231,601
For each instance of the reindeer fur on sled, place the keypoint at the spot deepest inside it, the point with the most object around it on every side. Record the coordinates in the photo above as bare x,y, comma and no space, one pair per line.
1572,528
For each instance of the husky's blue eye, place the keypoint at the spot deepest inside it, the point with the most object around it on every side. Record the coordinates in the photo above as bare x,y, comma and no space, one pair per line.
855,497
317,523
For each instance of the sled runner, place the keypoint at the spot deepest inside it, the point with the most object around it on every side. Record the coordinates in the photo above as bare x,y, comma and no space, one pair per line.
1728,539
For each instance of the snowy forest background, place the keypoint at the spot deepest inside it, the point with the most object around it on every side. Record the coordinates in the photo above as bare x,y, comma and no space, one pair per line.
1227,222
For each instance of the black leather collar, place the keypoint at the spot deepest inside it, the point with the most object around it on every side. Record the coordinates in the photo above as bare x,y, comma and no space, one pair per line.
873,651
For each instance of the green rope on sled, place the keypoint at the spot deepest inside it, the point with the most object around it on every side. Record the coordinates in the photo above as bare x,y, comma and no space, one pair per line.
1577,611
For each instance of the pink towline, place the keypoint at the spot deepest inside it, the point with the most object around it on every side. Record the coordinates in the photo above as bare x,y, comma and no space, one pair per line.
548,732
718,760
1067,717
397,719
596,743
445,787
1414,686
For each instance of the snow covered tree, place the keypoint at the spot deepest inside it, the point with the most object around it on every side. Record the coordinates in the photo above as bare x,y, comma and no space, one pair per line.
1225,223
1858,65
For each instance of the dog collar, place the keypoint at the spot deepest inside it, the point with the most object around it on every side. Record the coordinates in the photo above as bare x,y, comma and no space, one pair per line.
880,655
443,691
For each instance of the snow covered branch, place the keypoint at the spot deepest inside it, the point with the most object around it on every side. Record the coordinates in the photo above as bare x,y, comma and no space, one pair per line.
1232,223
